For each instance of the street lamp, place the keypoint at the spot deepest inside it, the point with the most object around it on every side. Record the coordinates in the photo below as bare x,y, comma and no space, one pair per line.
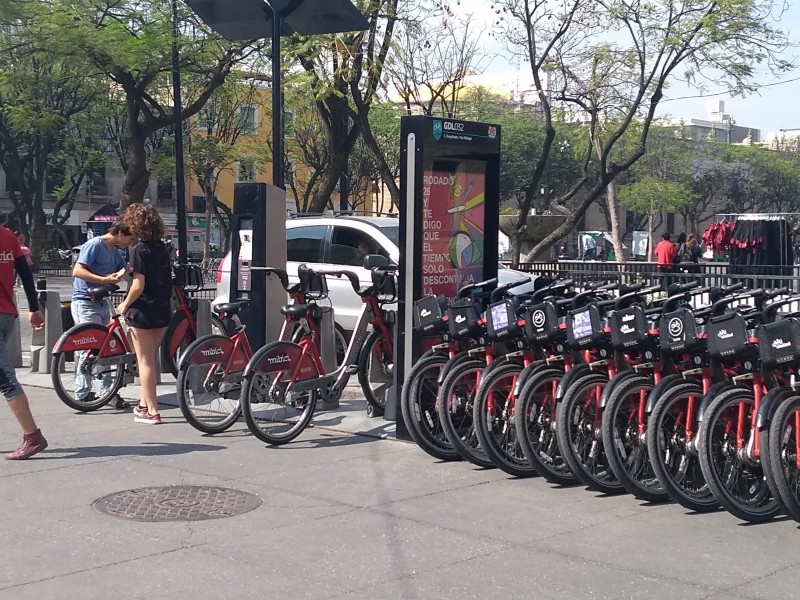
246,20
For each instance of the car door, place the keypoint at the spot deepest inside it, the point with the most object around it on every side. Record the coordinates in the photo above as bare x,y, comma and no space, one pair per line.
305,244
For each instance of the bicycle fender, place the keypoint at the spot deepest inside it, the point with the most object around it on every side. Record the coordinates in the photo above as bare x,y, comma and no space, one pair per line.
573,374
496,363
451,364
666,382
282,356
212,349
769,404
715,390
177,329
87,336
526,373
612,385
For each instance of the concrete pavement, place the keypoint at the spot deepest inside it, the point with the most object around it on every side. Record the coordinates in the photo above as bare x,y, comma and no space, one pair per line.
348,516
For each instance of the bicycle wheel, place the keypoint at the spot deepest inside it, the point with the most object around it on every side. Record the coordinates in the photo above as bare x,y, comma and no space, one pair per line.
736,480
208,396
493,416
273,411
782,455
179,336
456,397
376,368
673,451
535,421
578,427
624,438
418,401
104,375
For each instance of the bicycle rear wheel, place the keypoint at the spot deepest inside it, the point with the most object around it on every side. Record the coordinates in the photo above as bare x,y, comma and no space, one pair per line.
376,368
104,375
208,396
273,411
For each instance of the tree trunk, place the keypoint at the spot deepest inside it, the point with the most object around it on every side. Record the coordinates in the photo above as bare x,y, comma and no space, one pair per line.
137,176
613,217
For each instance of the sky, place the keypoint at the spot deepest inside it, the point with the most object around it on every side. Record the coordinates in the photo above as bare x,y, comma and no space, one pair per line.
773,107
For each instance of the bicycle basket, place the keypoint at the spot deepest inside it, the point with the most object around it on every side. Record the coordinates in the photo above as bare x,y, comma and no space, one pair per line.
428,316
541,323
386,285
501,321
727,337
584,327
629,328
462,318
779,343
677,331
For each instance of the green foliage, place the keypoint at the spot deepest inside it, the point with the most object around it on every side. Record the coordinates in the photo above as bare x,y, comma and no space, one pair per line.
651,196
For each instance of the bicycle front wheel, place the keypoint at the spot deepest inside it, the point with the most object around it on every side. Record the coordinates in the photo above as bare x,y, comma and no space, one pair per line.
782,455
736,480
274,412
83,380
376,368
208,396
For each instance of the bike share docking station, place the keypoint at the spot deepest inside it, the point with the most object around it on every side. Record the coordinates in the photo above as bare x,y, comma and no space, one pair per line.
449,223
258,240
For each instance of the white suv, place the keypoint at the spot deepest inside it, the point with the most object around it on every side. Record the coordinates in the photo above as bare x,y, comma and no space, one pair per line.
329,244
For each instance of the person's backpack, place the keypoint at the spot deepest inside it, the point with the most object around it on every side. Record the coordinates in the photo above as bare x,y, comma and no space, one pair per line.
684,254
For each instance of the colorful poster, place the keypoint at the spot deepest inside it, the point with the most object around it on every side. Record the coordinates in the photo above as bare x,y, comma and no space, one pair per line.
452,226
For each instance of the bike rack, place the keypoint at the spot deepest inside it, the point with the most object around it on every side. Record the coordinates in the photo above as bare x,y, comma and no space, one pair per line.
43,341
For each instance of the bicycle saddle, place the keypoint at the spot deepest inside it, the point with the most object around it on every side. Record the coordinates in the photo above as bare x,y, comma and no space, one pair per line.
99,292
298,311
230,308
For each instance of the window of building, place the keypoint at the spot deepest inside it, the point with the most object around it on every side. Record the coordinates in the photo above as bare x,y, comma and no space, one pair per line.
304,244
671,222
97,182
54,177
246,173
288,124
248,119
198,204
164,189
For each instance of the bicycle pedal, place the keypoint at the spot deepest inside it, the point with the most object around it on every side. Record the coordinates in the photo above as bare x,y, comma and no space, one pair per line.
351,369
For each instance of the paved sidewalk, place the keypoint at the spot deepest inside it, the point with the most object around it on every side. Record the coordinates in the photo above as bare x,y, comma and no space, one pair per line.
348,516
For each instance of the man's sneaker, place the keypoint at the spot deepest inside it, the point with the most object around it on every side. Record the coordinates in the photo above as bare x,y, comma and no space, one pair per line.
147,418
139,411
90,397
32,443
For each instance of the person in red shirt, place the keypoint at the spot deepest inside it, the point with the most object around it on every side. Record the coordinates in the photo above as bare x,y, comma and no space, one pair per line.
12,260
665,257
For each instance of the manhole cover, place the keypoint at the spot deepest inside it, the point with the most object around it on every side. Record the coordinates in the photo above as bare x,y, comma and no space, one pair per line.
177,503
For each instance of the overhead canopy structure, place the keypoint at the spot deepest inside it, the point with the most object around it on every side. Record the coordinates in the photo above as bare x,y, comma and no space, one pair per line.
254,19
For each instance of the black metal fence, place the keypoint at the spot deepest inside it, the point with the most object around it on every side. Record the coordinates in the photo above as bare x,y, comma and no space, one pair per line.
709,274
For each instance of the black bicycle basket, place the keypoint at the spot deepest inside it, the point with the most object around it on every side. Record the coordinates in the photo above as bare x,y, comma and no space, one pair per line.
727,337
313,283
779,343
386,284
629,328
584,327
677,331
462,319
541,323
428,315
187,276
502,321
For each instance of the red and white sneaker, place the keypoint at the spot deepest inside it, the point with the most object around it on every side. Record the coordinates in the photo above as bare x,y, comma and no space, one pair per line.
32,443
147,418
139,411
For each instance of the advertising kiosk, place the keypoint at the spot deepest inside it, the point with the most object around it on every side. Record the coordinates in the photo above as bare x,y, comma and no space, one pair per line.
449,220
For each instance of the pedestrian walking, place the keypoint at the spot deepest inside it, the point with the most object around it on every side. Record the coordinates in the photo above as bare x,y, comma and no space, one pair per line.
99,263
12,260
665,253
589,247
147,307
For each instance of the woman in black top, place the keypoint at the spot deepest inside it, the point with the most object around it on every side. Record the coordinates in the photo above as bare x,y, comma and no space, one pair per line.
147,307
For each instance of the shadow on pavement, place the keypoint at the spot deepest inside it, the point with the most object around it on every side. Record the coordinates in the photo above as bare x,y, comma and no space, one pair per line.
144,449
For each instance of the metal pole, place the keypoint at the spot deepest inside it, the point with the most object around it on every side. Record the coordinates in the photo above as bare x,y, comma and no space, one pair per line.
277,104
180,178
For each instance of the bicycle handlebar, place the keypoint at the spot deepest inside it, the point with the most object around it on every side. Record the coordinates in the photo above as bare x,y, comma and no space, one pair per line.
354,280
279,273
499,291
464,291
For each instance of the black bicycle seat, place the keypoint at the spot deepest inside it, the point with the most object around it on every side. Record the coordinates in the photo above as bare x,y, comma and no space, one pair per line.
230,308
298,311
100,292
